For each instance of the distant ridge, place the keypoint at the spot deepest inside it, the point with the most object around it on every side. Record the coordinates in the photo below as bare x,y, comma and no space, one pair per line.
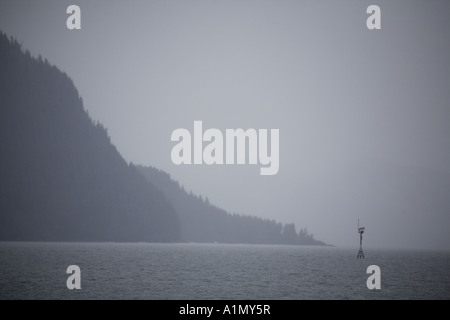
61,179
204,222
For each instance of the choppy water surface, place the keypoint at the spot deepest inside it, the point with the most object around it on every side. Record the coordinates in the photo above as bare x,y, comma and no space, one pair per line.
217,271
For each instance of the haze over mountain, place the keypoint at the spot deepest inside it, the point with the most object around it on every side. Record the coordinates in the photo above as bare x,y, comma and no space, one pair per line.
203,222
61,178
363,114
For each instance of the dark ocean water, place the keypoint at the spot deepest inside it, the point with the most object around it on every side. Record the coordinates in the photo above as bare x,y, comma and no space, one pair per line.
217,271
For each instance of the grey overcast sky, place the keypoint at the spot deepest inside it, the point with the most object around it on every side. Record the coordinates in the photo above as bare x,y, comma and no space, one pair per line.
364,116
